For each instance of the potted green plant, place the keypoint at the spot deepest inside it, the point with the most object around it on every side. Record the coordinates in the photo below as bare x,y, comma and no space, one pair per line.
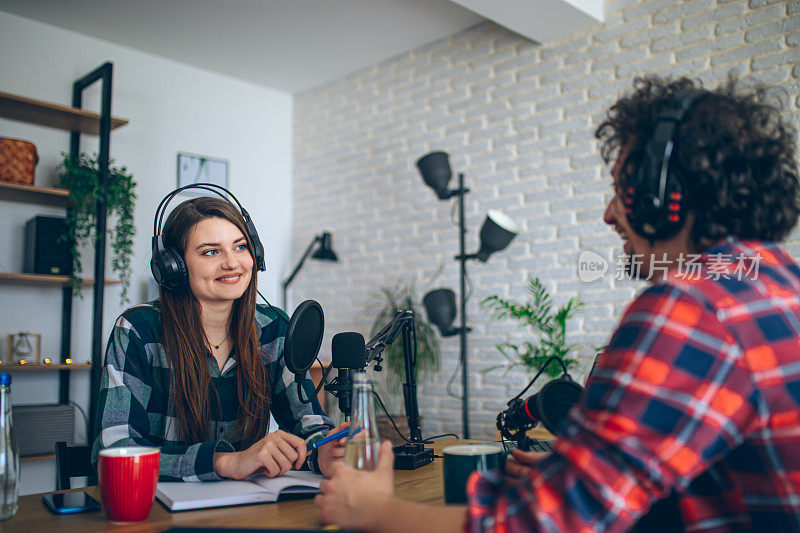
81,176
391,300
548,326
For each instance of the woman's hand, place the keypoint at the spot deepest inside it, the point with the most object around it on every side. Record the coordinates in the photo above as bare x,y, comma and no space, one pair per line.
351,497
328,454
274,455
519,463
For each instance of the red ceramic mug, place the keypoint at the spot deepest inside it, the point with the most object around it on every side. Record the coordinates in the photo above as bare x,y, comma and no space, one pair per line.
128,478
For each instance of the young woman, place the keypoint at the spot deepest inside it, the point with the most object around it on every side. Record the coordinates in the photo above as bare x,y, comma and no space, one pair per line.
200,373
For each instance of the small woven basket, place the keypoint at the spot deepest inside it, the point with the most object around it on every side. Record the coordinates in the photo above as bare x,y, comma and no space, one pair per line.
18,160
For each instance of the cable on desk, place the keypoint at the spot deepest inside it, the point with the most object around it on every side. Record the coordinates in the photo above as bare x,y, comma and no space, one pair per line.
390,417
443,435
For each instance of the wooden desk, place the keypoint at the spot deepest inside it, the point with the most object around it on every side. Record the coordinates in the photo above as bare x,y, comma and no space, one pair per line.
423,485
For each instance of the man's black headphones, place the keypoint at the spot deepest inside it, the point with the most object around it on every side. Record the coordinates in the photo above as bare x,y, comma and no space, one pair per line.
167,263
654,194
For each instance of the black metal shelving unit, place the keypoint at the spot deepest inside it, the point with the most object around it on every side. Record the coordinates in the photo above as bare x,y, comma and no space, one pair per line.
77,121
103,74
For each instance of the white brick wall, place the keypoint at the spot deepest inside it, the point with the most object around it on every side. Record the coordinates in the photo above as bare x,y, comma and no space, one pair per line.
518,119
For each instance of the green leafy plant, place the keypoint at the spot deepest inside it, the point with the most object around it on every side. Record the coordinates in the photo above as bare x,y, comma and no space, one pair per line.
548,325
81,176
392,300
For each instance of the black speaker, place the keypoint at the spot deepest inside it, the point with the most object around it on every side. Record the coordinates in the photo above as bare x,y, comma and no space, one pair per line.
38,427
45,250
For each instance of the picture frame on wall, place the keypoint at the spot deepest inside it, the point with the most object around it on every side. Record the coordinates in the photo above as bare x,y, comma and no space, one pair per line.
194,168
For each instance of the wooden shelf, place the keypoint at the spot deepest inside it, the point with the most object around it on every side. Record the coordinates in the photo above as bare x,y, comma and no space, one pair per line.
34,368
79,122
45,279
14,192
56,116
29,458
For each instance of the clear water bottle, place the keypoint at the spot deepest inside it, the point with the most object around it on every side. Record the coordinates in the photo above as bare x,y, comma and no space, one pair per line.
363,440
9,458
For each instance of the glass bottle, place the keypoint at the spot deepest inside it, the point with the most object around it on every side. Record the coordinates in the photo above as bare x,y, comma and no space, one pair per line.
363,440
9,459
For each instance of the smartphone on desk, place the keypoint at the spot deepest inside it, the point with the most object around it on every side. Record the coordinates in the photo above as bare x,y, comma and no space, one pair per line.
70,502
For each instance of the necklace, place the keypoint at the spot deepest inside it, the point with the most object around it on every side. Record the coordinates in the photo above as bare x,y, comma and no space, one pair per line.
216,346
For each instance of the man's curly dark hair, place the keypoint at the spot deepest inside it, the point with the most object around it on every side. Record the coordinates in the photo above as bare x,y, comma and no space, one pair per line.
736,154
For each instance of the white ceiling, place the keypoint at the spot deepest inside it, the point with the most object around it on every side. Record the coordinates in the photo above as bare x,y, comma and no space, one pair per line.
293,45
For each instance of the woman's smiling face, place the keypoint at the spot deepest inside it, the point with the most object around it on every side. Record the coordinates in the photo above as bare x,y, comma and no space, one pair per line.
218,261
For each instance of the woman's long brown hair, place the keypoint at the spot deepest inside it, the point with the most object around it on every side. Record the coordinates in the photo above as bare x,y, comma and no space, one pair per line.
187,347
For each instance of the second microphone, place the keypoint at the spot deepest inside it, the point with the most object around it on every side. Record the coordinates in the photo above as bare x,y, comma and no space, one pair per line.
348,355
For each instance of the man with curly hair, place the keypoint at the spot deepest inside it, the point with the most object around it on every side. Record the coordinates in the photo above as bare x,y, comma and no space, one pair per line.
691,420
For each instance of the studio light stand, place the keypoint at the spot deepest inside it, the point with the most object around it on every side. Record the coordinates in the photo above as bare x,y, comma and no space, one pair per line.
324,252
496,233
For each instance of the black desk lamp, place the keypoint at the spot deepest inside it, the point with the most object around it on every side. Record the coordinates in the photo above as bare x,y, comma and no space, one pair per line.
496,233
324,252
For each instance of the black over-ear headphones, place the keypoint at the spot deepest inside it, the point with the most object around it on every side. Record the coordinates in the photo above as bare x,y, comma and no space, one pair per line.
654,196
167,263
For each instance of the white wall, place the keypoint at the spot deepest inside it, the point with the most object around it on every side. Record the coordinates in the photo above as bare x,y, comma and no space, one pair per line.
171,108
517,118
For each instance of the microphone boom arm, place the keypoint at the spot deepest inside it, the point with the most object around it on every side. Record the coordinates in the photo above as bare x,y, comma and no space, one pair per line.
387,335
403,322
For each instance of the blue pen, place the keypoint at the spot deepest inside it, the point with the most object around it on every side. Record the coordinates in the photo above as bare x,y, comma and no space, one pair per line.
329,438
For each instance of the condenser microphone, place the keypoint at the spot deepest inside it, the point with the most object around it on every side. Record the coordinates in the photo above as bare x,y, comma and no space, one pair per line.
348,355
548,406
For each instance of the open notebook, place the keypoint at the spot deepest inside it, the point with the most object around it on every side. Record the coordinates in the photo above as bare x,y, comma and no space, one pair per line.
177,496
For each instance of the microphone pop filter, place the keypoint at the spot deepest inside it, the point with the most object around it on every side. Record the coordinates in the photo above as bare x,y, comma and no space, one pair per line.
555,400
303,338
348,350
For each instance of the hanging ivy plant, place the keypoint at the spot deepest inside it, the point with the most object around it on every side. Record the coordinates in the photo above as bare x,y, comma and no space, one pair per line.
81,177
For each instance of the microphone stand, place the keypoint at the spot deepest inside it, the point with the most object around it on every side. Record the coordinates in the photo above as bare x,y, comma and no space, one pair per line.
518,435
413,454
342,388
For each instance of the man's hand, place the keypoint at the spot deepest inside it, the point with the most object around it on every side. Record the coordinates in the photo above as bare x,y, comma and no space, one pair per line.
274,455
329,454
519,463
351,498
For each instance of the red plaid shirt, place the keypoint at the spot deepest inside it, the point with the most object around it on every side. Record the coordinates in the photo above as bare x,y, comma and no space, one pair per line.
698,394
